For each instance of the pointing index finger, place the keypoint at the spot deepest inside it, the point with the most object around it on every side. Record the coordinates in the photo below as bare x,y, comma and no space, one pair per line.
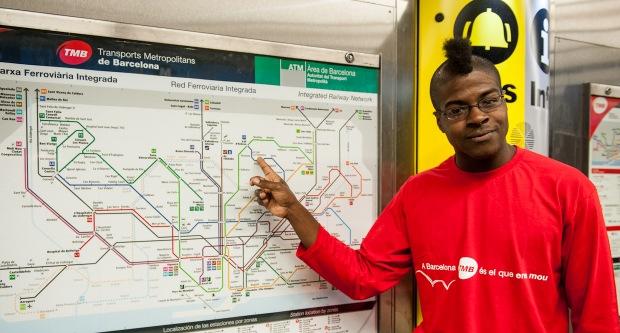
266,168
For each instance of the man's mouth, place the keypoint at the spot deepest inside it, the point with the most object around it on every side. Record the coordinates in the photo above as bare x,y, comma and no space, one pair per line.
481,135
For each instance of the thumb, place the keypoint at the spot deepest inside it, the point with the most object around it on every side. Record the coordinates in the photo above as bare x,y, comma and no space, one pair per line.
264,183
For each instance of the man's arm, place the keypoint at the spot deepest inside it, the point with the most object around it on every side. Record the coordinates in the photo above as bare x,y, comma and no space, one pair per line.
383,257
588,273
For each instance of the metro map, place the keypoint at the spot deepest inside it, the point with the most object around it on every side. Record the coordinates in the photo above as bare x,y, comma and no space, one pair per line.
124,208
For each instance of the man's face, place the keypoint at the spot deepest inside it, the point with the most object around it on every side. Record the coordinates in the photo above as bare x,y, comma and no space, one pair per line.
480,135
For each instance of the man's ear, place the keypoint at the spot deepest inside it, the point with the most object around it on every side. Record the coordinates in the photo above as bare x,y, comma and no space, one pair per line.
439,124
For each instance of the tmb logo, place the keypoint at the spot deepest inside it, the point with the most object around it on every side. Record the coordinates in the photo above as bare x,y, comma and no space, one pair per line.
74,52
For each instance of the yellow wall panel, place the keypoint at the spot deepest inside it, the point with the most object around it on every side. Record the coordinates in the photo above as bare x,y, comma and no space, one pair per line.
496,29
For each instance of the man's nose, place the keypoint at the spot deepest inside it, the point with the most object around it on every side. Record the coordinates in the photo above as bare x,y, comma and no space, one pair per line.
476,116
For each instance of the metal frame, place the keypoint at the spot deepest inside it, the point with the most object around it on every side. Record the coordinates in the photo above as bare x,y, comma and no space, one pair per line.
76,25
394,55
397,306
604,90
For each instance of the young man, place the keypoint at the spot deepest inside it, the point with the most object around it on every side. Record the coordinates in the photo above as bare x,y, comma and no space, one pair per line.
501,239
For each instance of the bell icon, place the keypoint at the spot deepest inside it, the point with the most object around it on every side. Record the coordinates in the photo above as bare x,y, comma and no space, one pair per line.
488,30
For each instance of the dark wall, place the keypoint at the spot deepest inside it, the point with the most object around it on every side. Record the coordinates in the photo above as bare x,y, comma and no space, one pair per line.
575,64
585,47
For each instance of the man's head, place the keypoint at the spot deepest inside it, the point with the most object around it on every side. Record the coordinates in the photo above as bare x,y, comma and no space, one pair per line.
470,109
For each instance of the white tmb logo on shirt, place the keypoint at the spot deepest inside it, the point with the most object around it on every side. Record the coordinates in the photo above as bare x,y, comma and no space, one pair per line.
467,268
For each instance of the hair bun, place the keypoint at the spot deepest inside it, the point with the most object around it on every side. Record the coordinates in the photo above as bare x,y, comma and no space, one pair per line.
459,54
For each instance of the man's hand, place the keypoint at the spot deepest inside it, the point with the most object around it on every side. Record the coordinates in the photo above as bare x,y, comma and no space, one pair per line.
273,193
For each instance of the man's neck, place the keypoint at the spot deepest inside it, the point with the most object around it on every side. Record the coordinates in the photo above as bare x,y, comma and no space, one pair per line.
469,164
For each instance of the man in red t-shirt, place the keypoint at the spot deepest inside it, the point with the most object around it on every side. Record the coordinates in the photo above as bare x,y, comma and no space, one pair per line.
501,239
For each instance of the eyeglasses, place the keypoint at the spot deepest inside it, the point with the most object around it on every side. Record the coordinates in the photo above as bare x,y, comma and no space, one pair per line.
460,112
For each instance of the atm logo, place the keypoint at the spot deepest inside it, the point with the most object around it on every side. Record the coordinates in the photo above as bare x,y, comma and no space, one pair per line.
74,52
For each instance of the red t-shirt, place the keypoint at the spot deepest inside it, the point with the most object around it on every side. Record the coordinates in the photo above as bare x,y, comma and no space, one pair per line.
509,250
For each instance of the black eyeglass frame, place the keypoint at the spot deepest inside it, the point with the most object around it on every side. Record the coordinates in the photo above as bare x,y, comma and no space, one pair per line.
487,109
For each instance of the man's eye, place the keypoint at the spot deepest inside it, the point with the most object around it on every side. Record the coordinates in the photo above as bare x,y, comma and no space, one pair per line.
457,111
489,101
